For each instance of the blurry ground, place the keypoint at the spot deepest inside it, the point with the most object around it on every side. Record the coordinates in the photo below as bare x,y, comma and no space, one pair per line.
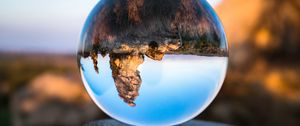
262,85
43,89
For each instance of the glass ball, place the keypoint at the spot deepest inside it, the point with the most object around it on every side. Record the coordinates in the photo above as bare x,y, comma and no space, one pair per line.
153,62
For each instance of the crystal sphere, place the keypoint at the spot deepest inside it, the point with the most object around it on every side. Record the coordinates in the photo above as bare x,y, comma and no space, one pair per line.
153,62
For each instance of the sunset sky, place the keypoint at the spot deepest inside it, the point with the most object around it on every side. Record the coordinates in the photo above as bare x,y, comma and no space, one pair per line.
44,25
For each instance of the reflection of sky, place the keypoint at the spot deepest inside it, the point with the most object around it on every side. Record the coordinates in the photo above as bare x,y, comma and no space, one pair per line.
180,88
43,25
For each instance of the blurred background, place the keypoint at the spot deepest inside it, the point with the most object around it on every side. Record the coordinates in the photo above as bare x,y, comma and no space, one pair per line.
40,82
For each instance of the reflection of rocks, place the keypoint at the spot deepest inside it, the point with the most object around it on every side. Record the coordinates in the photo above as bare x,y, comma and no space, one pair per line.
124,62
94,56
156,51
126,75
52,99
130,30
201,49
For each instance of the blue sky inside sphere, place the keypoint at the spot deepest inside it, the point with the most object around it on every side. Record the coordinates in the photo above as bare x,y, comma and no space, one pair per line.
51,26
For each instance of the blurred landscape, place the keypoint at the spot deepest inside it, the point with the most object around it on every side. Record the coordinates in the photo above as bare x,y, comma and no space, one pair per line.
262,86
